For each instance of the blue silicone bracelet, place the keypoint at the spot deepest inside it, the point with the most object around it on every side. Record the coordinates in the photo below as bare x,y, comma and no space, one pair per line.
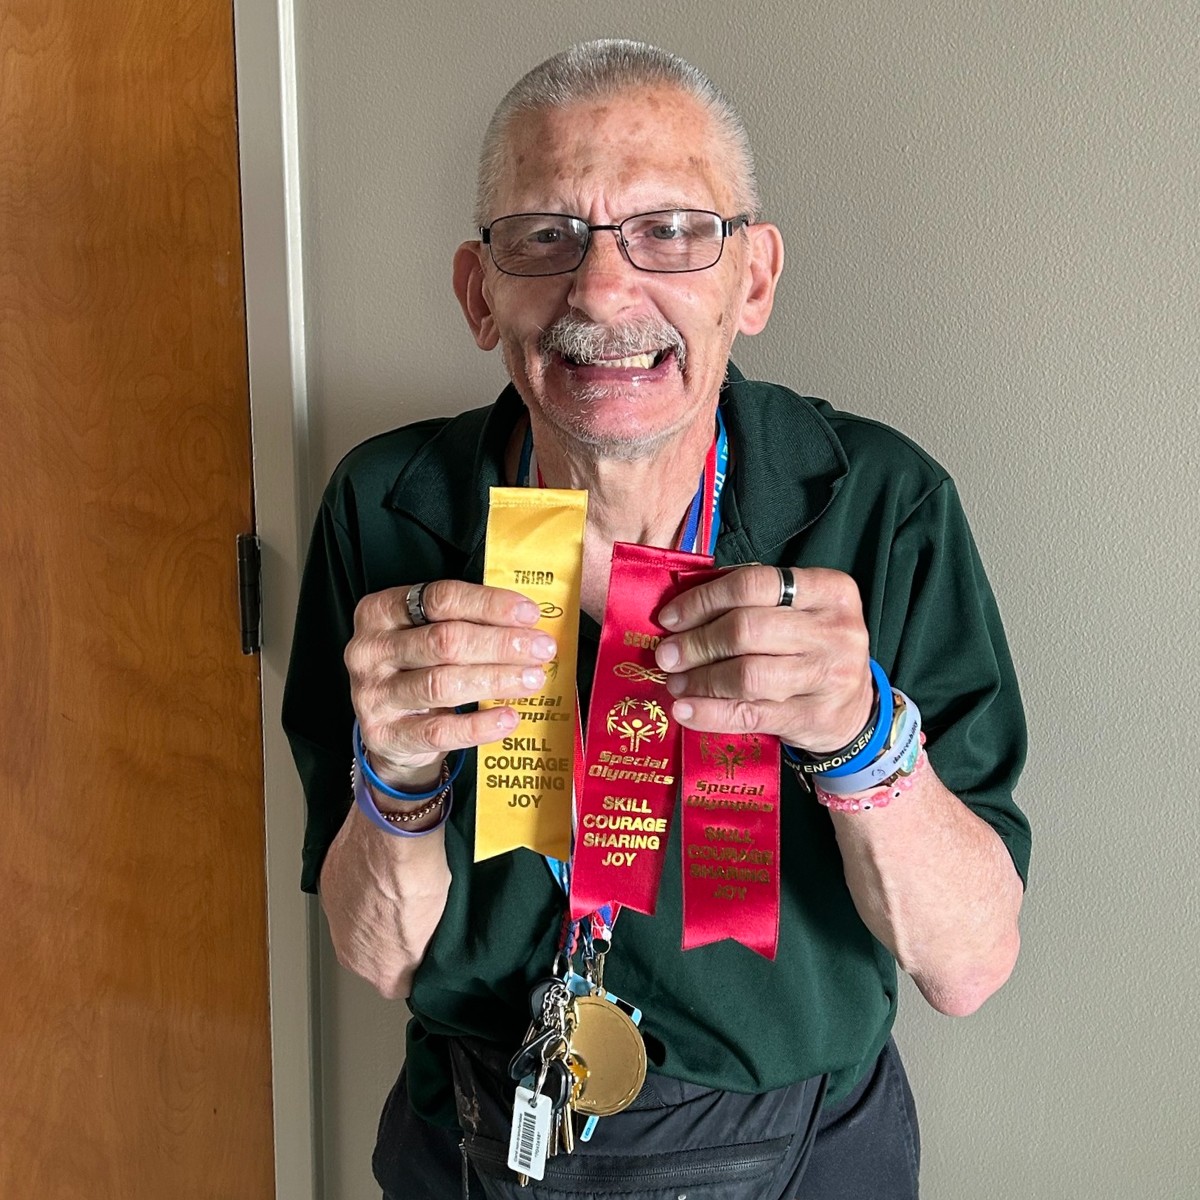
366,804
883,730
360,753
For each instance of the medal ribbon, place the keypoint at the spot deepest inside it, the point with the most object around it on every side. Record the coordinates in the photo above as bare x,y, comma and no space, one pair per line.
524,781
699,531
633,747
730,834
730,783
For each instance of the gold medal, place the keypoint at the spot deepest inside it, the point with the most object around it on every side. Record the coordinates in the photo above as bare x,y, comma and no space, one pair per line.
607,1044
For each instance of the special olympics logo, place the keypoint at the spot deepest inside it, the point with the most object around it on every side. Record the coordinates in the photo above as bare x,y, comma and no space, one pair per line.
635,721
728,754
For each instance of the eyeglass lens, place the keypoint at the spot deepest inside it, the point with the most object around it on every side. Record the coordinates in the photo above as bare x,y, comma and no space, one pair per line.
552,244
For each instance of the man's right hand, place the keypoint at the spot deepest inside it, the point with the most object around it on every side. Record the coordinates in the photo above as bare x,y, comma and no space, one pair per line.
384,896
407,680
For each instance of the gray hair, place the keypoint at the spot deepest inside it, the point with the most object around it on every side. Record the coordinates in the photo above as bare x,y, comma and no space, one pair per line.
602,68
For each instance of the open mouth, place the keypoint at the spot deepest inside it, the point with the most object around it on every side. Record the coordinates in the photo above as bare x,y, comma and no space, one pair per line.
647,360
641,348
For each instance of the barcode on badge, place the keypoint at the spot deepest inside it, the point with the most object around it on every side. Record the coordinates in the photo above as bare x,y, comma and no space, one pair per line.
530,1130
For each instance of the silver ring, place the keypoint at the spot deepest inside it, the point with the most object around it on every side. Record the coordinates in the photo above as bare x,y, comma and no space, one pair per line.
787,587
414,602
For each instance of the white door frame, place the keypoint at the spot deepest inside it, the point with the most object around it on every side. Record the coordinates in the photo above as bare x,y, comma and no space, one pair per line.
270,179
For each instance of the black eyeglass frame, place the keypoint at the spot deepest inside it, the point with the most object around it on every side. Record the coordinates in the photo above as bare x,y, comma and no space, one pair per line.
729,226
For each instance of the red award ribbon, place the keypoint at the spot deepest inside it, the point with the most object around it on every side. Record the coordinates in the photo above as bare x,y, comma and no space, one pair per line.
731,840
730,834
633,747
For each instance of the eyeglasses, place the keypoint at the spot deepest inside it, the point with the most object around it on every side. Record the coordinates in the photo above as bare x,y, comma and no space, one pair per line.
673,240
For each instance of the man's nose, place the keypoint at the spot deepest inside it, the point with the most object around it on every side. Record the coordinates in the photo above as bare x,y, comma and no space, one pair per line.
606,283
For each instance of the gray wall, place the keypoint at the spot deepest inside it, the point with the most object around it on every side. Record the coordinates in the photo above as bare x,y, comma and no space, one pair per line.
990,213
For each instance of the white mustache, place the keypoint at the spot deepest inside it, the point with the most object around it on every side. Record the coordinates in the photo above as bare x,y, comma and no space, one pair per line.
586,342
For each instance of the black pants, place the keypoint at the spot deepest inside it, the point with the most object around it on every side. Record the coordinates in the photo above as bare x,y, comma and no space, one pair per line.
866,1147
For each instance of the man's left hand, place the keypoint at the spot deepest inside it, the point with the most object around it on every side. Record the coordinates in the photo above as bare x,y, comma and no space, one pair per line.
739,662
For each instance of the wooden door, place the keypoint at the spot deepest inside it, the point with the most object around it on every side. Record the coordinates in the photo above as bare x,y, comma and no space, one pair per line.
134,1027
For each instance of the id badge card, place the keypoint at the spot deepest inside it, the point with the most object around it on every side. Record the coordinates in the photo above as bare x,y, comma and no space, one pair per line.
530,1134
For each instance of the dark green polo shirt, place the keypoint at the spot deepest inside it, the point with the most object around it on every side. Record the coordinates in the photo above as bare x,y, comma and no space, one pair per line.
808,487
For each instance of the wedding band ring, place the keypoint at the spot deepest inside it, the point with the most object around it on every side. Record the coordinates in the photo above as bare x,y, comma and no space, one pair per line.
413,601
787,587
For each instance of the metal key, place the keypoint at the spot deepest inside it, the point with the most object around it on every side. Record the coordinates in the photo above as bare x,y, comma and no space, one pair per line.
535,1051
555,1081
566,1129
543,1055
594,969
548,1002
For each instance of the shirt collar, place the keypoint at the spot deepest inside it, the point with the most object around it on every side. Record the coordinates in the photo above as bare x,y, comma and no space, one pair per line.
444,487
798,465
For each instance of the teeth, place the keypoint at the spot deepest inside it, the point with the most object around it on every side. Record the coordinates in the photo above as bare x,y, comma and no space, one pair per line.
644,361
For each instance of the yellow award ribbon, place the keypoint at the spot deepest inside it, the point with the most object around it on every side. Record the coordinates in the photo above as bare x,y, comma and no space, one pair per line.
523,782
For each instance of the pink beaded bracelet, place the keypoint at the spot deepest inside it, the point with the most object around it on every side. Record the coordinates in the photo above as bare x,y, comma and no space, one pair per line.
878,797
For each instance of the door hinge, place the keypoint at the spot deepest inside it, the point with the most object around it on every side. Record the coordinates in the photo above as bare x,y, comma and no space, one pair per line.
249,558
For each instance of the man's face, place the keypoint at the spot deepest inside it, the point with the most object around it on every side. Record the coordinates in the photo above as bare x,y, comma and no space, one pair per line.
604,161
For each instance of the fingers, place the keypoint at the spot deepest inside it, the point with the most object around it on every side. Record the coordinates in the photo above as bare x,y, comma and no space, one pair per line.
429,736
481,626
814,722
721,620
405,747
446,600
755,587
741,631
444,686
376,654
734,716
811,700
736,661
753,677
406,680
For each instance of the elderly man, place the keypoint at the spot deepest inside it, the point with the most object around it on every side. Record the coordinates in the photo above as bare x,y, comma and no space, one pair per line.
620,254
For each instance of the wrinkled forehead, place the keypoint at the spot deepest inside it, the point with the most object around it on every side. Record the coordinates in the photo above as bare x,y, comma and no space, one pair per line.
630,152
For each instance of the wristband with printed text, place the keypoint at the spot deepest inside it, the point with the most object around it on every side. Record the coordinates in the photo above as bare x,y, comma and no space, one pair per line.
815,764
899,757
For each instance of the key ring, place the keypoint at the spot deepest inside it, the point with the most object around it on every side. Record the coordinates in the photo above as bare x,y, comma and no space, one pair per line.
541,1082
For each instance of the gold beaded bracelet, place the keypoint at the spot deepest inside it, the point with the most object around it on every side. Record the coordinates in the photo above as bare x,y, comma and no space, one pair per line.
414,814
404,818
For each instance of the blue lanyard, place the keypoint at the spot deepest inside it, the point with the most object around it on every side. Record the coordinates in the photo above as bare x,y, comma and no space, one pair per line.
691,528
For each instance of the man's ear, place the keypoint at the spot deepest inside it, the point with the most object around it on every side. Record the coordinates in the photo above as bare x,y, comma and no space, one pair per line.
764,267
468,287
